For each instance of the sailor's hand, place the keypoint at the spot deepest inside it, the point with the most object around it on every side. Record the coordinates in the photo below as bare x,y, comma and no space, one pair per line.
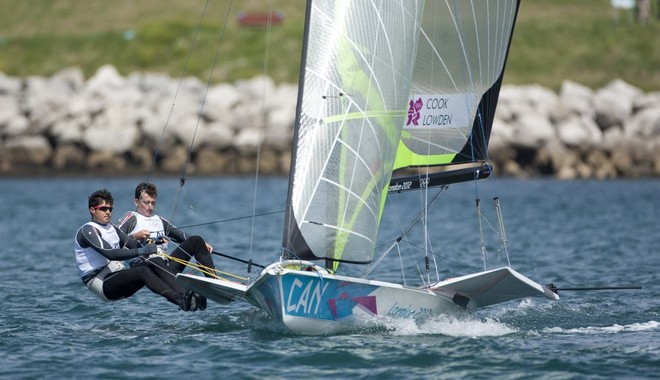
147,250
209,247
142,234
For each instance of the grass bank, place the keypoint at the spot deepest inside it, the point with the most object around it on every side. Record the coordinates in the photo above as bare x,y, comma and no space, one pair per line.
555,40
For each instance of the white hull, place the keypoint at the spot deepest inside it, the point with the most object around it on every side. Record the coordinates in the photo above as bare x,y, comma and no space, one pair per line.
309,300
217,290
491,287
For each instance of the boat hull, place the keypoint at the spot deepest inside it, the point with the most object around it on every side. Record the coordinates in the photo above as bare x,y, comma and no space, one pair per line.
309,300
217,290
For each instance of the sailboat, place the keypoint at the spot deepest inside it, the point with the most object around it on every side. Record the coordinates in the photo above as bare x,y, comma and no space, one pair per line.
386,87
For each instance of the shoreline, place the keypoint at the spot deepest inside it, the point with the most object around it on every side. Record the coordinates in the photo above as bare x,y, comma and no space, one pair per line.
110,125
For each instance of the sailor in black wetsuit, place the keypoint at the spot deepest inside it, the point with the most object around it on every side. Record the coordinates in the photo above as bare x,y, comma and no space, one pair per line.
145,225
100,248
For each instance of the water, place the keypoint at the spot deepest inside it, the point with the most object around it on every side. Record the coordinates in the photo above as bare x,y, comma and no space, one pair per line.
577,233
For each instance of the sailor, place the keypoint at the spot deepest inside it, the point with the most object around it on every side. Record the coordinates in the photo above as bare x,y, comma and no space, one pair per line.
100,248
145,225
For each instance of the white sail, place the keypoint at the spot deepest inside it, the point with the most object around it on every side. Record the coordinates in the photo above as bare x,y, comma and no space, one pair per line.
355,83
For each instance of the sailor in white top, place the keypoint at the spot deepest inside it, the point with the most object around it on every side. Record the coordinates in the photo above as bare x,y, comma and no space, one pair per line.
99,249
146,226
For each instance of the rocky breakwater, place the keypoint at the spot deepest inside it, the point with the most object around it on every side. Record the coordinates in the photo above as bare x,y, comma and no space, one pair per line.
579,133
115,125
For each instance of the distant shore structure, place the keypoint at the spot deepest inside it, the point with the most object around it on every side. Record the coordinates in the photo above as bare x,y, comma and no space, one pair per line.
113,125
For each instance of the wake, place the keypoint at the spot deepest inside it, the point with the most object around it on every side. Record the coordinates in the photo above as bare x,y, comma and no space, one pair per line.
612,329
450,326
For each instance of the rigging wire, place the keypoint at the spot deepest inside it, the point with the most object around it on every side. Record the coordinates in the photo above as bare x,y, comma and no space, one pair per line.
182,180
403,272
500,222
425,223
174,98
478,124
269,28
487,108
508,16
176,93
231,219
413,245
426,189
484,252
498,208
419,217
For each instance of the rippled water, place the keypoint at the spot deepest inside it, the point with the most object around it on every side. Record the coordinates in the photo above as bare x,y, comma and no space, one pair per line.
576,233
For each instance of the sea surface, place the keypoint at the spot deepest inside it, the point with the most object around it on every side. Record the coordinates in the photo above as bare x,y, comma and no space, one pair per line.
569,233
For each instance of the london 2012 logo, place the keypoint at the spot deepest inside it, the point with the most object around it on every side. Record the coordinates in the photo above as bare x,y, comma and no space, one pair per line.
414,111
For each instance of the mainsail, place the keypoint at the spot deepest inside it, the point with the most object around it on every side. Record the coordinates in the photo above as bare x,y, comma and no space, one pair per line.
361,110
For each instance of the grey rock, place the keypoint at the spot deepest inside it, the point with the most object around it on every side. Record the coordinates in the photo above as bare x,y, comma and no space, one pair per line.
110,123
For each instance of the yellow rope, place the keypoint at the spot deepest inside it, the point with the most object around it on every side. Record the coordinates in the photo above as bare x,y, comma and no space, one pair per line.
204,269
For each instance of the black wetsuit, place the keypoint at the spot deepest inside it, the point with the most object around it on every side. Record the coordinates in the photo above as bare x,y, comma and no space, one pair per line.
188,246
93,253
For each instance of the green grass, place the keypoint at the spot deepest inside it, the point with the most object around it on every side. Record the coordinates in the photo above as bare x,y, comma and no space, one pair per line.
581,40
554,40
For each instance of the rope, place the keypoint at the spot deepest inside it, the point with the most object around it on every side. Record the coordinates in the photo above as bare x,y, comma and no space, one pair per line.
196,266
202,268
213,272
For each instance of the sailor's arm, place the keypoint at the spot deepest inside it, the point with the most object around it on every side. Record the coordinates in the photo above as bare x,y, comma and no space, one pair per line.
174,233
88,237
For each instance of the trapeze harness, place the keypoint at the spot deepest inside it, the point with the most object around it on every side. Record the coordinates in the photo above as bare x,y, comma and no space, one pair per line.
154,224
93,267
160,228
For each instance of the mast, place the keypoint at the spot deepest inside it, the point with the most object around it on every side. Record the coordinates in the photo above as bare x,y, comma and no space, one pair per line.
291,232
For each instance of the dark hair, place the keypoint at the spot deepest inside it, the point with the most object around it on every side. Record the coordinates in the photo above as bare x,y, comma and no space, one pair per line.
146,187
98,197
